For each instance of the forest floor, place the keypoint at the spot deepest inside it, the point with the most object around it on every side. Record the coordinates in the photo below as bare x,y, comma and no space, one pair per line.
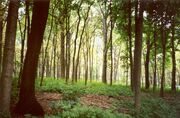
97,100
101,101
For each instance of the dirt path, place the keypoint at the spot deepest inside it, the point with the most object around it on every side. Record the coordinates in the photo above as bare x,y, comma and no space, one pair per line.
44,98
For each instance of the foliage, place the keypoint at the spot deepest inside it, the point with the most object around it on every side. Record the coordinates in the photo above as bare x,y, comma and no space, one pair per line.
73,91
89,112
150,108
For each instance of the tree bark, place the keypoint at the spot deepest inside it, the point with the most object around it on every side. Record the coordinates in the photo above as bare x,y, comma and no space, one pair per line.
68,55
130,43
1,41
138,53
8,57
27,103
23,37
104,68
81,40
75,41
111,42
155,64
173,55
147,63
62,54
163,42
46,51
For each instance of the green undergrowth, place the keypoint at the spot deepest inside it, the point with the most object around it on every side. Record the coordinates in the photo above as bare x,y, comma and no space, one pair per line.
52,85
150,108
79,111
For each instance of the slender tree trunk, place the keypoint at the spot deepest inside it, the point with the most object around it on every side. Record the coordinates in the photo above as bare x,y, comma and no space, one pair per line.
27,103
147,63
81,40
155,64
54,53
68,55
130,44
75,42
111,44
1,40
62,54
86,56
23,37
8,57
46,51
163,41
173,54
104,68
138,53
116,65
48,73
92,61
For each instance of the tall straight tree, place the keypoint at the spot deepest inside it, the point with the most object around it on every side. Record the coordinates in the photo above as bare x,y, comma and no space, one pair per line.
148,48
8,56
138,52
155,58
173,55
27,103
1,40
130,42
104,12
163,42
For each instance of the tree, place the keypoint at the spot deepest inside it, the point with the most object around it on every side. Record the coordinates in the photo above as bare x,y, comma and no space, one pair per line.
138,52
155,63
130,43
173,54
1,40
104,12
147,83
27,103
75,41
8,57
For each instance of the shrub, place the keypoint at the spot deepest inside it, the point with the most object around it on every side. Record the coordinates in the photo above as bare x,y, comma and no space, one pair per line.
91,112
150,108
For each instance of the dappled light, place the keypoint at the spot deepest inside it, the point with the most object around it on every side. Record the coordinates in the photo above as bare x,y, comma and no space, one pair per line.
89,58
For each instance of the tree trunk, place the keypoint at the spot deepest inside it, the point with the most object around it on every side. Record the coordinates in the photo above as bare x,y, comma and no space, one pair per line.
81,39
8,57
54,53
62,54
104,68
68,55
111,44
27,103
75,41
173,54
155,64
1,40
147,63
138,53
130,44
163,42
23,37
46,51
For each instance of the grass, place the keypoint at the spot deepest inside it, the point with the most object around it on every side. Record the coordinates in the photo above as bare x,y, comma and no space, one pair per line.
150,108
79,111
52,85
70,106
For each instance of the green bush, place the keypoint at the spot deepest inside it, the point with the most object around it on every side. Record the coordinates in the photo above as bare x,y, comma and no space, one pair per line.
52,85
156,108
91,112
150,108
